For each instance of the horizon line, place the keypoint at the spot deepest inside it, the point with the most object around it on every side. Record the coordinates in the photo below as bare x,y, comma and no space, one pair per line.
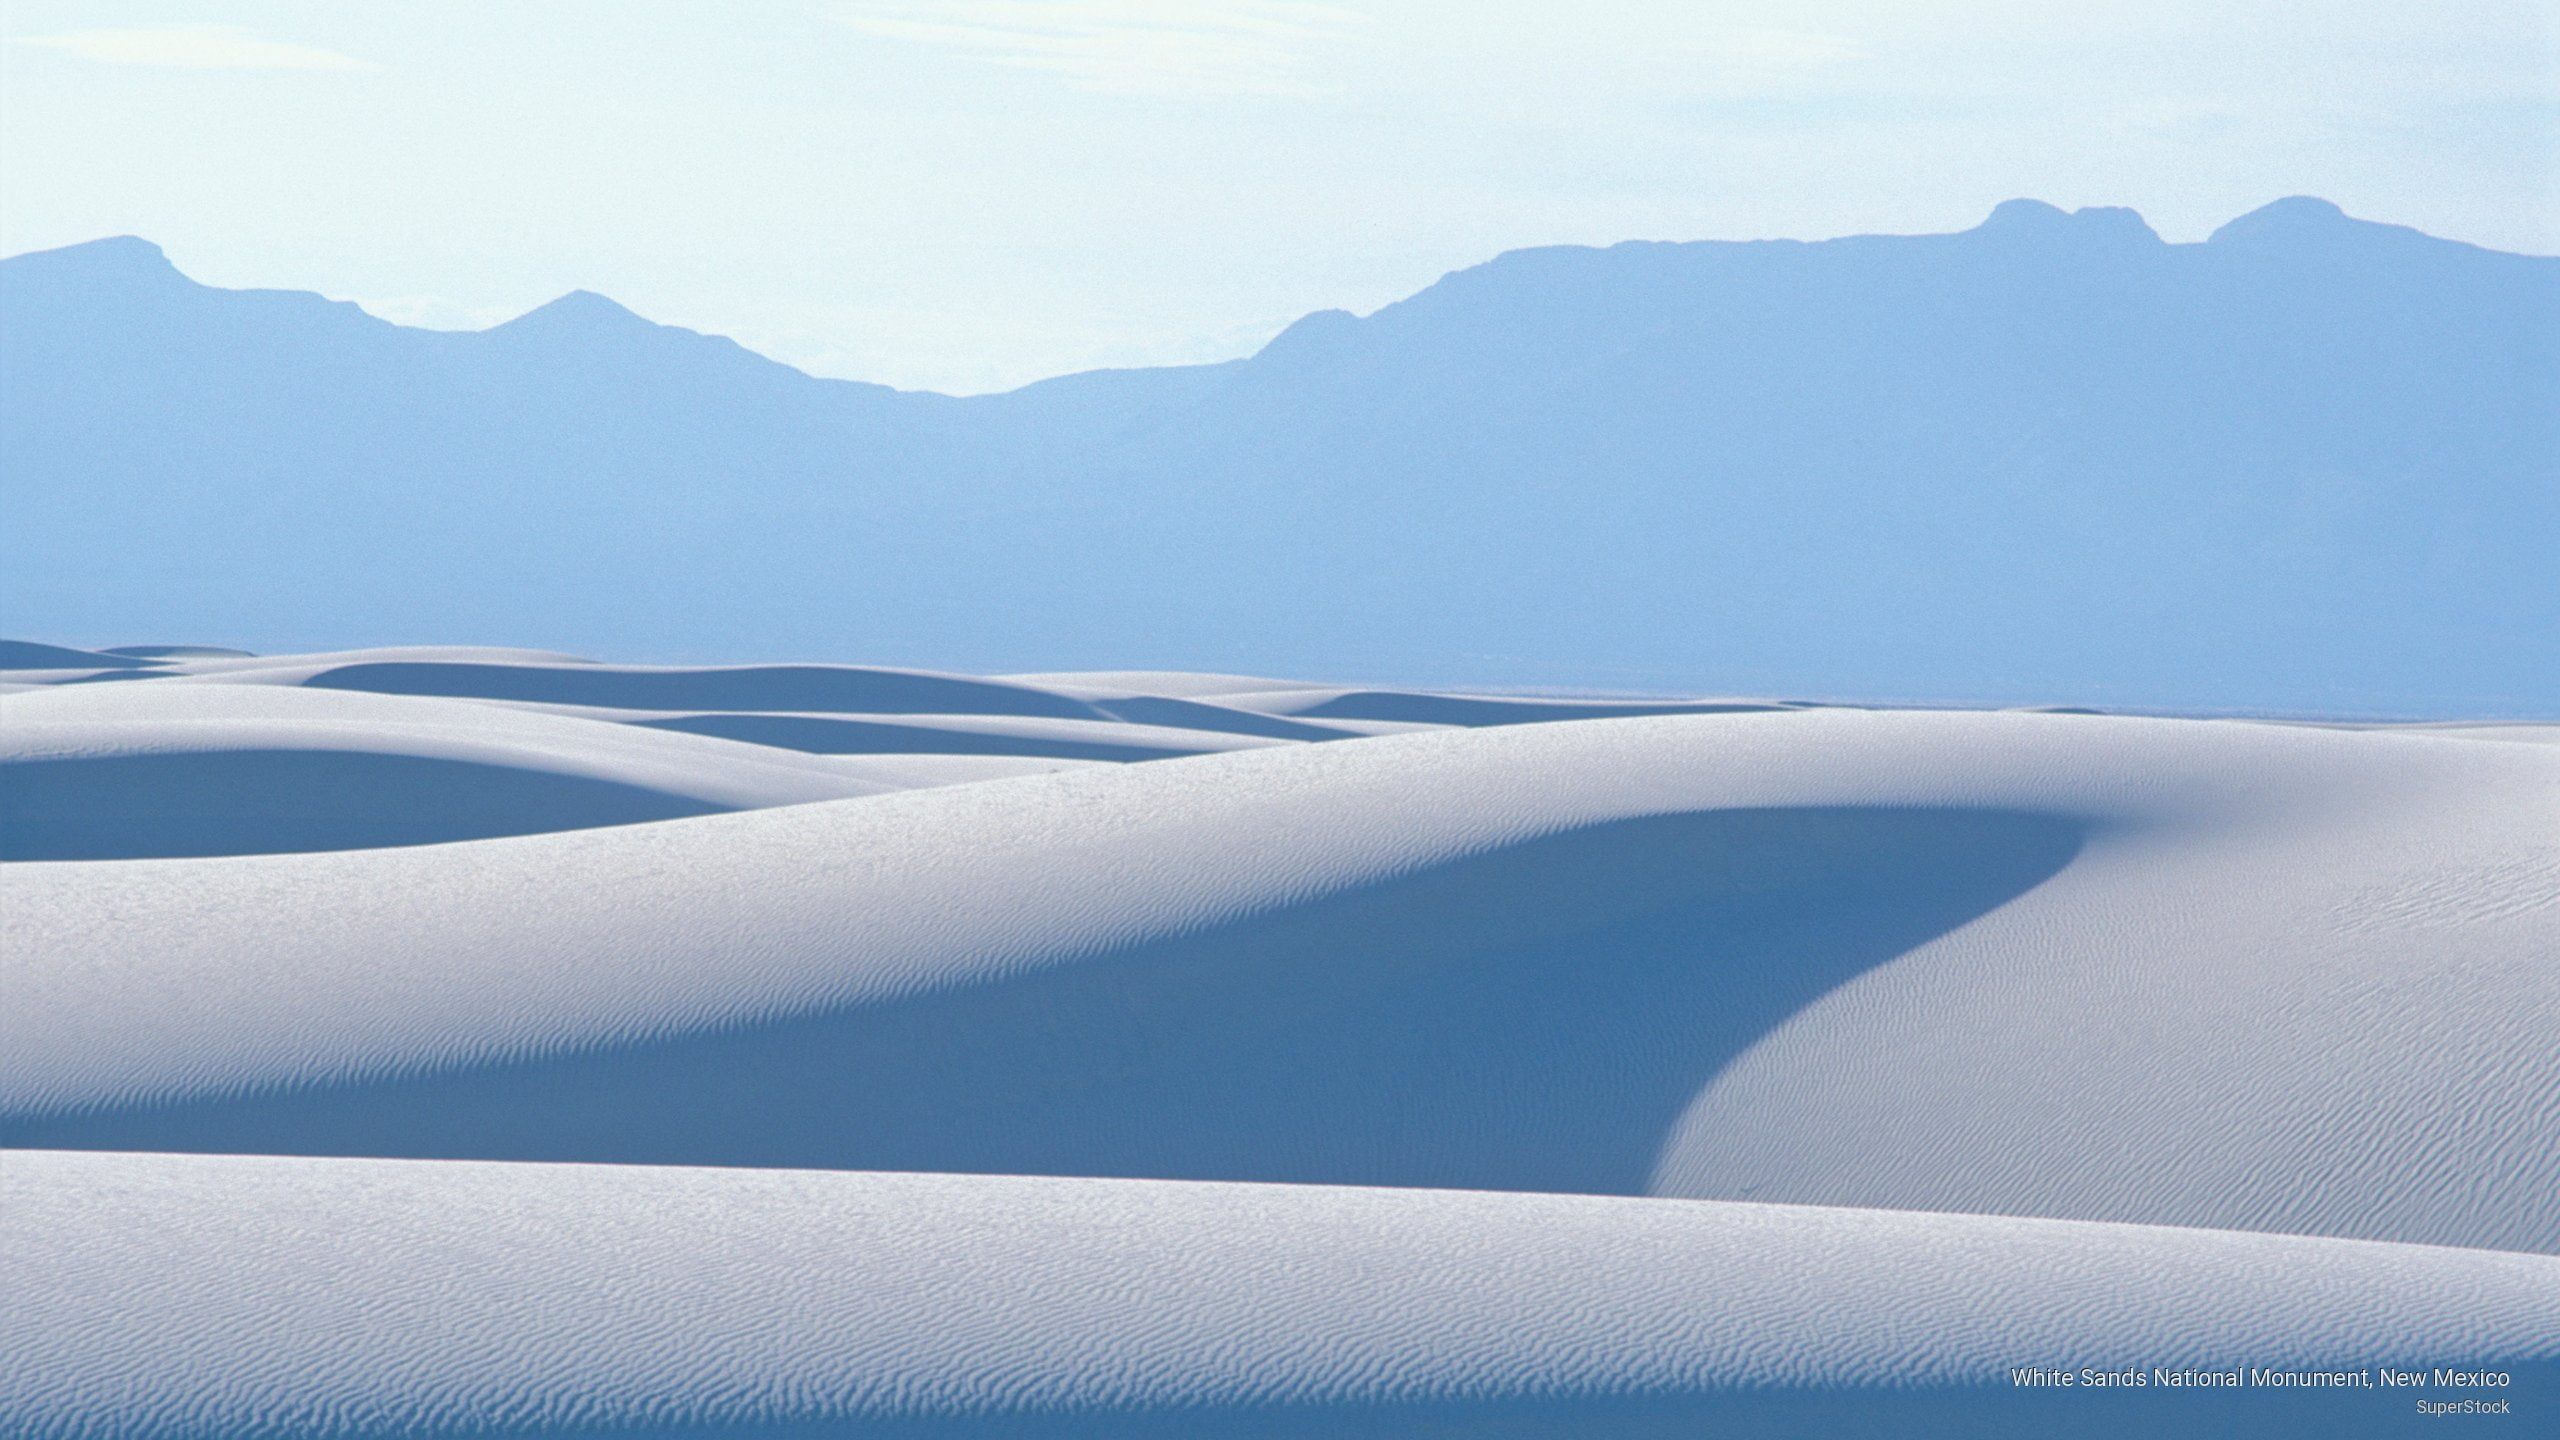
2020,209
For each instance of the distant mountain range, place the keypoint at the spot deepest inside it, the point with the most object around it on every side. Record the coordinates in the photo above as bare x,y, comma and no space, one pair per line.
2310,464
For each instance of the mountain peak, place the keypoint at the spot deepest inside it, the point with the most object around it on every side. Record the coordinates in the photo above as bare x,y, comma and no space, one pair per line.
1311,336
2297,209
2036,217
2295,217
579,310
2022,212
121,250
115,256
1946,466
586,329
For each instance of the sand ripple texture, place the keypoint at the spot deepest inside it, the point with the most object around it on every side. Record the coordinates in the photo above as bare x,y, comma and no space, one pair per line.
486,1042
166,1295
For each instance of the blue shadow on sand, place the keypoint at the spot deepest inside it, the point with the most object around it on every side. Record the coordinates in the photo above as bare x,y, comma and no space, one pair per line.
1534,1017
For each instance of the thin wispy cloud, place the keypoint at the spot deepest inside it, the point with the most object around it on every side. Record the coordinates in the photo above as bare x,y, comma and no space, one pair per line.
193,47
1127,47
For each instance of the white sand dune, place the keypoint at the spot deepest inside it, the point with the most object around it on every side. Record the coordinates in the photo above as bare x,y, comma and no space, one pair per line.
245,664
197,751
568,683
179,652
30,655
1426,708
1185,684
163,769
844,688
198,758
183,1296
2511,731
1027,736
27,677
2196,973
1639,1068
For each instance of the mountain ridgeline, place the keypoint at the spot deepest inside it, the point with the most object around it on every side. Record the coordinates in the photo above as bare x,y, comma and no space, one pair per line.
2310,464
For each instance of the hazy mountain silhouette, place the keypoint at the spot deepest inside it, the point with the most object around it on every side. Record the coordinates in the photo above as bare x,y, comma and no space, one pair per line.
2311,463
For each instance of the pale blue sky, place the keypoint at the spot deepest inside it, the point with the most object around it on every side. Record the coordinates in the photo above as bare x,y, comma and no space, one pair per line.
973,194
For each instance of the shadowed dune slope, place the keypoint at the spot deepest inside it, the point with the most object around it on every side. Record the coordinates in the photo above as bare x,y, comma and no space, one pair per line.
179,652
1187,683
166,1296
1186,713
756,687
1035,737
225,753
207,752
1415,707
2189,972
844,690
164,768
30,655
1531,1017
255,797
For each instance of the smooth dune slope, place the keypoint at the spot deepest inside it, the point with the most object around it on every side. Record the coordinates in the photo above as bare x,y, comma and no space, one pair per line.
31,655
836,709
167,1296
1195,684
1034,737
179,652
226,661
749,687
163,768
202,751
849,692
2199,973
1429,708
